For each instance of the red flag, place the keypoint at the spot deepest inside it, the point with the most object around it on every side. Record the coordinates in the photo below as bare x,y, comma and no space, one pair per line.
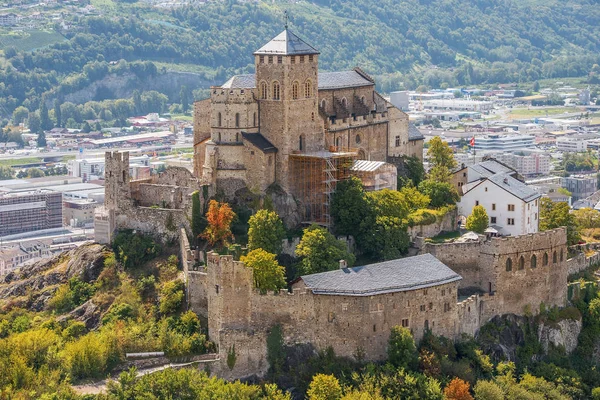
473,141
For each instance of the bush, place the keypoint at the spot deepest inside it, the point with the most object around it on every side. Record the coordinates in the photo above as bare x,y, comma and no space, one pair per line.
487,390
422,217
402,352
118,312
171,297
133,250
71,295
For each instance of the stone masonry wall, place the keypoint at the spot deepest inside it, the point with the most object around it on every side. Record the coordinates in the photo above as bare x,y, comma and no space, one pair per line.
446,224
239,315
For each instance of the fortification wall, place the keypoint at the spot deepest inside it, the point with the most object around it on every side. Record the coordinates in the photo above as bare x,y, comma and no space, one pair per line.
475,311
581,262
162,224
446,224
241,316
466,260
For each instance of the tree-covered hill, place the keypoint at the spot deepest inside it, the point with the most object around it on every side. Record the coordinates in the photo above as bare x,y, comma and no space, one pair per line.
408,42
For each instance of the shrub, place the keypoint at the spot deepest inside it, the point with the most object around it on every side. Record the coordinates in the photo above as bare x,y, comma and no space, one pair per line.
171,297
402,351
324,387
118,312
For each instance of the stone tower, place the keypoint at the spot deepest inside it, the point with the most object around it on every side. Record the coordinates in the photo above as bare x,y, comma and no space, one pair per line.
116,183
287,91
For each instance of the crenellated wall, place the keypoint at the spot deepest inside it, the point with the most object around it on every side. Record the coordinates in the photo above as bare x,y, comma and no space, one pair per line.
521,271
238,315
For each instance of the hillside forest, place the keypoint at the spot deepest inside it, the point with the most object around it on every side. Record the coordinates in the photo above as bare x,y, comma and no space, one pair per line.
403,44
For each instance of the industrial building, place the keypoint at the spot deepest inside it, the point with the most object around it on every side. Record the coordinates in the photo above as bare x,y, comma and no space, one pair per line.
504,142
30,211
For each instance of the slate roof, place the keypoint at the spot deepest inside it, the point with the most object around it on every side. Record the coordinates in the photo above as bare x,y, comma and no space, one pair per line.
399,275
342,79
327,80
414,133
515,187
246,81
287,43
491,167
259,141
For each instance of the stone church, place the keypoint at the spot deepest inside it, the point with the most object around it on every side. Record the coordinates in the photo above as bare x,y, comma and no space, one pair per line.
289,124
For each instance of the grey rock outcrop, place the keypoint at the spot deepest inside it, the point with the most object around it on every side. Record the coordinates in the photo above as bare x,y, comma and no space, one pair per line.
561,334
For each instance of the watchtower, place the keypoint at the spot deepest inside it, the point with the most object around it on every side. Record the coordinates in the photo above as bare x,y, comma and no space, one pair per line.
117,193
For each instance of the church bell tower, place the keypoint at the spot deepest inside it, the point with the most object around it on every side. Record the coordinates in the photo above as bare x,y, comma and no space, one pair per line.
287,90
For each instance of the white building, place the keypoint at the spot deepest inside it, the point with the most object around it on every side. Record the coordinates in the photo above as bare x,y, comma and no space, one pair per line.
457,105
513,207
571,145
93,168
504,142
526,164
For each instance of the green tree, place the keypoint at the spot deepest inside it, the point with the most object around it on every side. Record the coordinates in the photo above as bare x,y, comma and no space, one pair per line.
441,159
45,121
349,206
41,139
268,274
57,113
320,251
324,387
488,390
137,101
185,98
275,350
33,122
413,166
86,127
6,172
35,173
478,221
198,220
440,193
171,297
20,115
536,86
402,352
554,215
265,231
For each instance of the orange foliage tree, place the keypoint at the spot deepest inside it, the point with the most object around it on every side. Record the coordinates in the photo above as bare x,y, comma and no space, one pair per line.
457,389
219,217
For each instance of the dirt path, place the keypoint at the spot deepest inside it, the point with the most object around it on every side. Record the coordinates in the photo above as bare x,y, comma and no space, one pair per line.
100,386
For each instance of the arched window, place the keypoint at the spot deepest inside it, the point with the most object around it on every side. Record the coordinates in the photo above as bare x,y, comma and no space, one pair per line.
254,120
323,104
554,258
362,100
276,91
509,264
344,102
545,259
533,261
521,263
295,87
357,139
300,143
426,325
307,89
338,142
237,120
219,119
263,91
561,255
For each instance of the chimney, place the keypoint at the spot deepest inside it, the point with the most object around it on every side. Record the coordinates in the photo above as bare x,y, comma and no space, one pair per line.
343,264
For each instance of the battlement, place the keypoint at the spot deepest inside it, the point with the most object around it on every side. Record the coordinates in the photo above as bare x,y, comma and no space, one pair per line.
234,95
359,120
529,242
116,156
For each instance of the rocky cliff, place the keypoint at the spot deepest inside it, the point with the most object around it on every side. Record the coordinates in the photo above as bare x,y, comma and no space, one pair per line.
33,286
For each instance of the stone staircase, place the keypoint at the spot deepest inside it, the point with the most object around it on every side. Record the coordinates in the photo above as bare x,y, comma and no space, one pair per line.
359,107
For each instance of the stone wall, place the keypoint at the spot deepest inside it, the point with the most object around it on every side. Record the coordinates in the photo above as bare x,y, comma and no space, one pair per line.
185,252
162,224
239,315
581,262
521,271
448,223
